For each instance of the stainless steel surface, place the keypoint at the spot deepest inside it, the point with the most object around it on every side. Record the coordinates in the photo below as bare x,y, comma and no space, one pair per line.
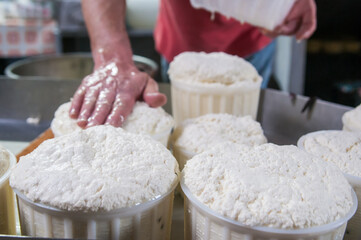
72,66
22,99
283,122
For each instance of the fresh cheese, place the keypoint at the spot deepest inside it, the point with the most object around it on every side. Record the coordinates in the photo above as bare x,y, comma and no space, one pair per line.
269,185
100,168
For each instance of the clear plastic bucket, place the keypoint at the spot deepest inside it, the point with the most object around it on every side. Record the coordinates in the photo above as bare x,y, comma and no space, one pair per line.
203,223
149,220
353,230
7,203
190,101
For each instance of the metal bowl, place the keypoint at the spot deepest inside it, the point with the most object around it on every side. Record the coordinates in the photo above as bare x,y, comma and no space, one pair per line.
74,66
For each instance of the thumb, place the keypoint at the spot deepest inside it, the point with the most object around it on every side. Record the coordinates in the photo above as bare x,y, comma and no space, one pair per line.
152,96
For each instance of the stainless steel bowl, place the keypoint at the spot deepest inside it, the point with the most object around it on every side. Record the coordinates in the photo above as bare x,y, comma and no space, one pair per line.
74,66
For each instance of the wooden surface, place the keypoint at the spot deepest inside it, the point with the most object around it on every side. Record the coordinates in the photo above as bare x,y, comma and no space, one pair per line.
35,143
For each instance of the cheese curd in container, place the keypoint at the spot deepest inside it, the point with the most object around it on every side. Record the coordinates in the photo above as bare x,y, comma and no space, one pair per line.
266,192
217,82
351,120
196,135
143,120
7,201
342,149
267,14
99,183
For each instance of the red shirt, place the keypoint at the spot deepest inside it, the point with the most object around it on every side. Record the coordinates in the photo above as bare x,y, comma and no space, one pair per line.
180,27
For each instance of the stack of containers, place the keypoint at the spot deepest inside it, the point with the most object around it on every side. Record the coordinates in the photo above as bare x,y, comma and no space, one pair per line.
341,148
217,82
7,208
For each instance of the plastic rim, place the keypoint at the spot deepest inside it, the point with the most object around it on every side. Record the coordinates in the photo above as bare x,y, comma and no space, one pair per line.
353,180
186,153
127,211
9,69
217,88
12,162
161,135
267,230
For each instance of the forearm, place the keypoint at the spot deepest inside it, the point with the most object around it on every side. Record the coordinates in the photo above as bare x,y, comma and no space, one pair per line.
105,21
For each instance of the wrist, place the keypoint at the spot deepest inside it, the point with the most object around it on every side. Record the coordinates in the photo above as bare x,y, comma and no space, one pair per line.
117,50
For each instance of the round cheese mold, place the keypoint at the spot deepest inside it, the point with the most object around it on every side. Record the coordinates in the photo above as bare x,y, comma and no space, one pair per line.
352,119
276,191
100,183
143,120
344,150
7,208
217,82
196,135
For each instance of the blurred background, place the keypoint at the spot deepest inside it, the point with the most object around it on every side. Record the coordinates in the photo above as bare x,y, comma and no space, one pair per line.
327,66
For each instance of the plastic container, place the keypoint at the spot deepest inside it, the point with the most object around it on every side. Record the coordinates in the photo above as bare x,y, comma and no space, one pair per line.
193,100
203,223
351,120
262,13
182,156
7,203
163,137
149,220
353,231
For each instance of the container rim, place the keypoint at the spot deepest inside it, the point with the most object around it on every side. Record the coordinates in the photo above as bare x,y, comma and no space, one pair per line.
126,211
9,69
178,130
162,134
215,88
268,231
12,161
353,180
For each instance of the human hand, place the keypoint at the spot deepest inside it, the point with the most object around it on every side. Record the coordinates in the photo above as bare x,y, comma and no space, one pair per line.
107,96
301,21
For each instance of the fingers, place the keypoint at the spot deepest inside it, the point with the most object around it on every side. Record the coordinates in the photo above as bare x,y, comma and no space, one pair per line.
77,102
89,101
102,107
152,96
301,20
290,28
122,107
307,28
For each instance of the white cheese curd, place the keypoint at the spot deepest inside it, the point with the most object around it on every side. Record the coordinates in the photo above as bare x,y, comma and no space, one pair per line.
100,168
142,120
269,185
352,119
212,69
4,160
199,134
339,147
